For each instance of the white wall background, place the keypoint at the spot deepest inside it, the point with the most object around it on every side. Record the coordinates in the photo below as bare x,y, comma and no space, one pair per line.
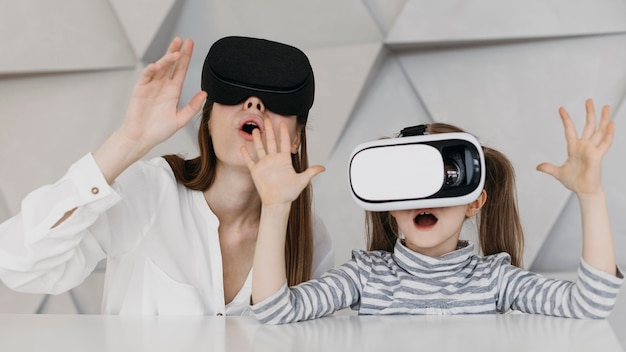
498,68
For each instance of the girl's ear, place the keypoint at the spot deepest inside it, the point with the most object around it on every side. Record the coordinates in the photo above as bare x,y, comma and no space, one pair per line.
475,206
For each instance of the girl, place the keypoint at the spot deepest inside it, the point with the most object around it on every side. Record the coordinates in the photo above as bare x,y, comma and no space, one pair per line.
178,235
416,263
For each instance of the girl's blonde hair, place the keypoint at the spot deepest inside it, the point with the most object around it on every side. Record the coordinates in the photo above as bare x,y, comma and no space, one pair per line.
199,174
499,225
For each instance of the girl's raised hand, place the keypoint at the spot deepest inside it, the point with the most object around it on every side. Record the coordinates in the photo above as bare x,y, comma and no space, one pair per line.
153,115
582,171
273,174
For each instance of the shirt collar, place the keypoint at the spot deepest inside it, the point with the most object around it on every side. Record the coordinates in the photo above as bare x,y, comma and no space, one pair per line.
416,263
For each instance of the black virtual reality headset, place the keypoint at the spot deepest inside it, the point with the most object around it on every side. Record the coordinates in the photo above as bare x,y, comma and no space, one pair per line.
280,75
417,171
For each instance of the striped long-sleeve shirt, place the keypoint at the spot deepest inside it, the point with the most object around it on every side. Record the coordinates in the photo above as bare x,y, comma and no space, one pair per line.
460,282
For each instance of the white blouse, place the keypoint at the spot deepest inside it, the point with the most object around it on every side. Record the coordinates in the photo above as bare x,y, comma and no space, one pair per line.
159,239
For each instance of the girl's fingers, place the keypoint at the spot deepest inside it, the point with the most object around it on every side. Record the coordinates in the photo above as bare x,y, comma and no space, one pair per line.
603,128
602,137
568,127
607,139
549,169
590,124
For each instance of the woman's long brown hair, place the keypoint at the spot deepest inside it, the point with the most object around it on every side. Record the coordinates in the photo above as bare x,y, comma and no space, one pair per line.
499,225
199,174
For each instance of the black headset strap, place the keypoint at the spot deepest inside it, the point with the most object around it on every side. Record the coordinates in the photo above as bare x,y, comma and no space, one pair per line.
417,130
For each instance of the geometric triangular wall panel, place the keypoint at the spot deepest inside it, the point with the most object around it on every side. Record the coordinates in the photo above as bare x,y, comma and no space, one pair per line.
142,19
338,75
61,35
424,22
385,12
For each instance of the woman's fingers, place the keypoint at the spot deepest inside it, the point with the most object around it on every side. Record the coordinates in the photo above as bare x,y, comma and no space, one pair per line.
270,138
270,145
179,71
168,61
285,140
258,143
247,158
190,110
313,171
172,65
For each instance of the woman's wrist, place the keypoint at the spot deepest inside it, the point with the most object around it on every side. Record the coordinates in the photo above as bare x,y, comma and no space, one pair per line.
277,208
117,153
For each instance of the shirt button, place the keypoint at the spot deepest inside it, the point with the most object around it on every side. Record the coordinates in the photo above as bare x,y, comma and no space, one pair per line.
95,190
219,314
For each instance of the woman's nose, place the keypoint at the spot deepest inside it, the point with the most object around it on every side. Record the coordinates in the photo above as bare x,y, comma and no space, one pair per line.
254,103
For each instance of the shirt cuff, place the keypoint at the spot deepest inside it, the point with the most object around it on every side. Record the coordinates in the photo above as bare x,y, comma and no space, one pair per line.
91,185
265,310
604,277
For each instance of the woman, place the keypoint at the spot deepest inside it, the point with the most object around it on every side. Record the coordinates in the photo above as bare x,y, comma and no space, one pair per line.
178,235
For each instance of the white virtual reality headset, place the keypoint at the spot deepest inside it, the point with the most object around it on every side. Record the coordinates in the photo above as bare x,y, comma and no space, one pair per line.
417,171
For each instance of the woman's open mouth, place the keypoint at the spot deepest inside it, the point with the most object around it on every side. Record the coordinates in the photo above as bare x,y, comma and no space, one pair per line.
249,123
248,127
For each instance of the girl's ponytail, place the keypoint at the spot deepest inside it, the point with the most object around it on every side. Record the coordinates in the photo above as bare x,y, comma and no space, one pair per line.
500,229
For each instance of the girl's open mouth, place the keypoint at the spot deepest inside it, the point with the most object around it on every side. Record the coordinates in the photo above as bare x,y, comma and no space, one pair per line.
425,219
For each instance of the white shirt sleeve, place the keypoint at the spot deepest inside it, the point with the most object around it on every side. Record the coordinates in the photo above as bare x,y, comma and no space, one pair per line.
34,257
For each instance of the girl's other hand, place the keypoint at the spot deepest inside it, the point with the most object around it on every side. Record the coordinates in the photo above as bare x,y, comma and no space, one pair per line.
582,171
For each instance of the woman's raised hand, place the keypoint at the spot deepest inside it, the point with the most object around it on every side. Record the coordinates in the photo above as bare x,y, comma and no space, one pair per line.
153,114
272,172
582,171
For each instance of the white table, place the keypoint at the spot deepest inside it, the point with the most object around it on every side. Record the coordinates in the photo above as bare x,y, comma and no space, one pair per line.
510,332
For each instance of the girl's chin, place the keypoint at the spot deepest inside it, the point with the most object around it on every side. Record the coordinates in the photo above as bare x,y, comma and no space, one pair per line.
427,248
